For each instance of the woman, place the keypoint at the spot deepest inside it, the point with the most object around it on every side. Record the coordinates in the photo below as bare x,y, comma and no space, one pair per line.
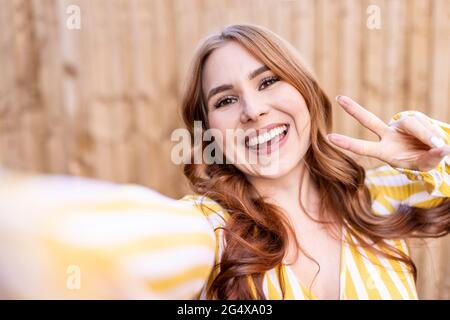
316,226
306,223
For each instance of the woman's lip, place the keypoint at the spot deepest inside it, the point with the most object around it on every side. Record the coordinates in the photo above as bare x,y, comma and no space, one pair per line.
269,147
263,130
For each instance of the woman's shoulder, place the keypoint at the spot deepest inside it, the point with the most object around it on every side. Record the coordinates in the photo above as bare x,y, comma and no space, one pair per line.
211,209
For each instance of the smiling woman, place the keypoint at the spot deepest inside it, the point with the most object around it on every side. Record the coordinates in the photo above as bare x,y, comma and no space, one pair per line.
305,228
307,223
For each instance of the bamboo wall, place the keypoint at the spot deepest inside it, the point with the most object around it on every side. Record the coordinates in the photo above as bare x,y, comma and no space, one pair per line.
103,100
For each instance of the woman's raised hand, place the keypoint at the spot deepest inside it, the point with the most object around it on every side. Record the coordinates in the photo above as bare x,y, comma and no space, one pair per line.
411,143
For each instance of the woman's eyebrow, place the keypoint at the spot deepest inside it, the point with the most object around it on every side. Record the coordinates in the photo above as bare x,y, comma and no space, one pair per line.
225,87
257,72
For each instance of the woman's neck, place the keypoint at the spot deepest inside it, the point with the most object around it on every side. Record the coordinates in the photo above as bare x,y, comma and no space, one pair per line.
287,190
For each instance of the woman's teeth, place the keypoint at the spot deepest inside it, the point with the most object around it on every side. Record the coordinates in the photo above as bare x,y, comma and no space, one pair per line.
267,136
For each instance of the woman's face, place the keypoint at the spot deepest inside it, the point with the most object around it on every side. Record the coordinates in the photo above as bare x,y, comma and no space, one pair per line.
267,116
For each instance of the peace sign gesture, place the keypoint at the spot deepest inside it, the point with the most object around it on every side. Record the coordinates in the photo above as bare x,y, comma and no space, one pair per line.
412,143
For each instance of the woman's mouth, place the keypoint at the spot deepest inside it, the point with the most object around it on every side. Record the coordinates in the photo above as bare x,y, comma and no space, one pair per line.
269,140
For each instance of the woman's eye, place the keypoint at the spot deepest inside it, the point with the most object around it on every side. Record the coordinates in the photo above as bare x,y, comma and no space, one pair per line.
224,101
264,84
268,81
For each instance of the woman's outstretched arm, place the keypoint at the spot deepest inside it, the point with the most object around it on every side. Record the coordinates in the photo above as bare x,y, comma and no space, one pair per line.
66,237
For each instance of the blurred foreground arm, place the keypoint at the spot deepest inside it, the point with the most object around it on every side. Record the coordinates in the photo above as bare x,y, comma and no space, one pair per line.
75,238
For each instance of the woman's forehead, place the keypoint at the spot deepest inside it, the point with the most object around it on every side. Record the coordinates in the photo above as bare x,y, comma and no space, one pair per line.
228,64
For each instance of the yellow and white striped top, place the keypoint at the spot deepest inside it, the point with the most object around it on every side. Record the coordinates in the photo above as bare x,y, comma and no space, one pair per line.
69,238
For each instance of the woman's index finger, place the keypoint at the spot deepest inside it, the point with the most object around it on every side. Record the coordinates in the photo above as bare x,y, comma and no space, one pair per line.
362,115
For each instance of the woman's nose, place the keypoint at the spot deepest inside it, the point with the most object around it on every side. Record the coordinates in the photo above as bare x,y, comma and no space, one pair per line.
252,110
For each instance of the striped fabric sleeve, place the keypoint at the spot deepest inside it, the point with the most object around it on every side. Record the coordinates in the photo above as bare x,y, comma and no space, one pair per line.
217,218
391,187
76,238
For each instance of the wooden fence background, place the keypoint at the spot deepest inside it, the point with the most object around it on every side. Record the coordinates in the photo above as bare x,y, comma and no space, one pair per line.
102,100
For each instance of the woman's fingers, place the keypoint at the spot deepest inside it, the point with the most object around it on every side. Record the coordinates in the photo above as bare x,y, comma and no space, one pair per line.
416,128
430,159
425,121
364,117
444,150
358,146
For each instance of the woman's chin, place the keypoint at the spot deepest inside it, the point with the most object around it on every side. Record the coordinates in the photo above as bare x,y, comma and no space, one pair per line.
272,170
